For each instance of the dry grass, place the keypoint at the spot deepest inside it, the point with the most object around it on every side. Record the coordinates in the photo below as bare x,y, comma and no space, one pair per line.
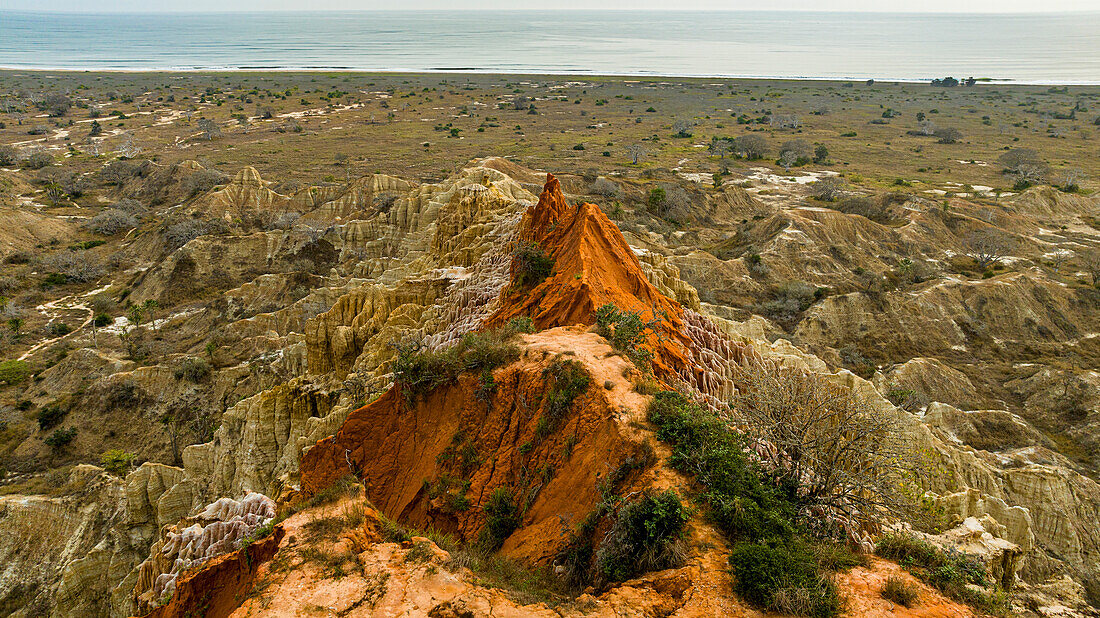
900,591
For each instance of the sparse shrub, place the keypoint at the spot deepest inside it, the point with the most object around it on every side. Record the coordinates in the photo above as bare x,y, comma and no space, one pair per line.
567,380
193,369
522,324
898,590
606,188
421,552
948,135
530,265
8,155
111,222
13,371
952,572
80,266
625,331
51,416
184,231
117,461
827,189
418,371
119,172
644,536
38,160
502,517
907,398
383,202
202,181
790,299
785,578
131,207
60,438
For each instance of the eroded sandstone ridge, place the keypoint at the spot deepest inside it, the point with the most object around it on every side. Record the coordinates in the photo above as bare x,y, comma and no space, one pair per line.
304,356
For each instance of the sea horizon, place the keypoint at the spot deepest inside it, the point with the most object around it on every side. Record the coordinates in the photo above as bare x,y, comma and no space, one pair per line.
1017,48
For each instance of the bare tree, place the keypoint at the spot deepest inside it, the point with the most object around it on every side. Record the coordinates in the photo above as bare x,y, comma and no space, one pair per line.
636,152
720,146
827,189
683,128
128,148
1025,165
209,128
750,146
988,246
787,158
845,454
1069,179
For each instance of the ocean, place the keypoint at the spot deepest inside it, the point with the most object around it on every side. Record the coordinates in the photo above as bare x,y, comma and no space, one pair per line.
1034,48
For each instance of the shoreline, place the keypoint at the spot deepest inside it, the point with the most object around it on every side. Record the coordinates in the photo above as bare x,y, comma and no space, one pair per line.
988,81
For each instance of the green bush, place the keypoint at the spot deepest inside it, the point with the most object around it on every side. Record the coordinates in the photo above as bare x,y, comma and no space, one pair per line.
741,499
567,380
531,265
60,438
949,571
13,371
785,578
50,416
777,564
101,320
417,371
625,331
501,518
522,325
59,329
117,461
645,536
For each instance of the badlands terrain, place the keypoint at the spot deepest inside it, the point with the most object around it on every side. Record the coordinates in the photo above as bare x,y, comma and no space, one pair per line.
402,348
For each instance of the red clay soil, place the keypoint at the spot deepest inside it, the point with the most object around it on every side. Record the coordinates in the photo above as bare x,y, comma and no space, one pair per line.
593,266
401,449
218,588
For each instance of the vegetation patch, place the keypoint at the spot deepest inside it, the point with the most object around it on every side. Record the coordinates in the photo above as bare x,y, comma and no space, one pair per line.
958,575
13,371
418,371
625,331
530,265
646,535
899,591
117,461
502,517
778,563
567,380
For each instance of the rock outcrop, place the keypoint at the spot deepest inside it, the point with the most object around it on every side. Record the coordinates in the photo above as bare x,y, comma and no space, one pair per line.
300,391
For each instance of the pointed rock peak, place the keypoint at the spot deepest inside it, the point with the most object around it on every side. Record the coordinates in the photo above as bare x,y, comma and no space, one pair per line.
593,266
552,206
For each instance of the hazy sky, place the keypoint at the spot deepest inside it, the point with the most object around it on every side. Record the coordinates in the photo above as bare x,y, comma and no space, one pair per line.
976,6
